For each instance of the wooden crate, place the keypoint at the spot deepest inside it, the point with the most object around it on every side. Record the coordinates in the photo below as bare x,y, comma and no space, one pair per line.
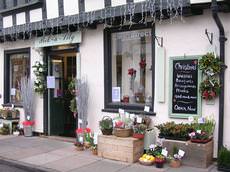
122,149
196,155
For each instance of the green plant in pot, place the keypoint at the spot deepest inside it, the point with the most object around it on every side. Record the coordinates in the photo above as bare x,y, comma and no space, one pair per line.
223,160
139,131
106,125
159,161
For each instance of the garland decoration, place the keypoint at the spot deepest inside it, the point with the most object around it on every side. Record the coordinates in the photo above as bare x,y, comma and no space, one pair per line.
40,73
210,67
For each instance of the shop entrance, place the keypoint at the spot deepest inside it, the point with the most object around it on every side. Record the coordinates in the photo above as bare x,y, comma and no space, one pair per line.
62,66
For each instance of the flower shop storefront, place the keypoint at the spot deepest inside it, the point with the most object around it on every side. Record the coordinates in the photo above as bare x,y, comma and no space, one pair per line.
61,54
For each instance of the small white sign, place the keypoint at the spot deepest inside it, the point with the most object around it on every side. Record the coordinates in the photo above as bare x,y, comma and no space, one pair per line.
81,139
139,119
127,115
121,111
116,94
190,119
147,109
132,116
164,152
95,138
13,91
198,131
80,121
1,125
181,153
50,81
201,120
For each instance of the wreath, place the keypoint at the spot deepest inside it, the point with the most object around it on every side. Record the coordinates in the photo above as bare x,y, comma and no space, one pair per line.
210,88
210,65
40,73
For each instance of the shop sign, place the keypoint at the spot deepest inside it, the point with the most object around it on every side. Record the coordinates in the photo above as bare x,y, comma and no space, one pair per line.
185,99
59,39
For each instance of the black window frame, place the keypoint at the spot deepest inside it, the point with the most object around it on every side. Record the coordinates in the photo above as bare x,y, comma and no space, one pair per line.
109,106
7,54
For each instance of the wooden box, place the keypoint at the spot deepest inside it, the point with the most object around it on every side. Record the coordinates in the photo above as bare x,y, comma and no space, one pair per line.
196,155
122,149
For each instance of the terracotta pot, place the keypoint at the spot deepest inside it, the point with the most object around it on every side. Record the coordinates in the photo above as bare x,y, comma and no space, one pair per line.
79,148
87,145
138,136
94,151
175,163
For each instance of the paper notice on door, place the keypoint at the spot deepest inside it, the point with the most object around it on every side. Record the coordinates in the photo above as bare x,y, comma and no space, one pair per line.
13,91
50,81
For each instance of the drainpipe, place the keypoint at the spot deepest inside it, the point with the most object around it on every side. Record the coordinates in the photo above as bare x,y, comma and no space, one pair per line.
222,40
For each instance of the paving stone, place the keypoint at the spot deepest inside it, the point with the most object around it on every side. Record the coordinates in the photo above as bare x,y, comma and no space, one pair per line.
69,163
102,166
41,159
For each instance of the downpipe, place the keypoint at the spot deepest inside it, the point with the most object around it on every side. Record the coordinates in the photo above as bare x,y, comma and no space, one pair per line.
222,40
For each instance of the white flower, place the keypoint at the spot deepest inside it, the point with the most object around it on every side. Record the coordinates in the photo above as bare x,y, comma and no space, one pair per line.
152,146
41,62
40,70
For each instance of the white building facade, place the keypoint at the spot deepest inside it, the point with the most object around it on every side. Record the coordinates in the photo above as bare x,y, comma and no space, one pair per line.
105,55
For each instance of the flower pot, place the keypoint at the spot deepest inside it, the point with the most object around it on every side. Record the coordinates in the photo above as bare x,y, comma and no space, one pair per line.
175,163
94,151
159,164
28,130
107,131
79,148
87,145
201,141
120,132
138,135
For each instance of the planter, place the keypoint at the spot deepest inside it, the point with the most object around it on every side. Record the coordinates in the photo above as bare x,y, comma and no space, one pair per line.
79,148
175,138
122,132
138,136
146,163
223,169
28,131
175,163
107,131
94,151
159,164
87,145
201,141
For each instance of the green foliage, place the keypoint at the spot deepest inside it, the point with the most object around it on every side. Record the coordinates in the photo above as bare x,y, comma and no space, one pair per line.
224,158
139,128
73,105
176,131
209,64
106,123
207,127
210,88
175,150
5,130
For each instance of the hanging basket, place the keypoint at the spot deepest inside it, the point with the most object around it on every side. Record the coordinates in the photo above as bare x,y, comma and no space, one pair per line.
120,132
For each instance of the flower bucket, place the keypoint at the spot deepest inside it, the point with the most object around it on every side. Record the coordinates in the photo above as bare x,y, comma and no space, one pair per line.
28,128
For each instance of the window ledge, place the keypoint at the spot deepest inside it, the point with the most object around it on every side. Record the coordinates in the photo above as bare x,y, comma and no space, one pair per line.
130,111
10,105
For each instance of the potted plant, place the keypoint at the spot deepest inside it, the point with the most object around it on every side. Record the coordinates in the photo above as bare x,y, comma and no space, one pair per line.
159,161
139,131
123,126
106,125
175,161
223,160
94,149
80,139
27,95
87,138
79,146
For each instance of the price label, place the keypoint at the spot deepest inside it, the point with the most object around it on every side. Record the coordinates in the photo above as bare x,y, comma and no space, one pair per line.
147,109
181,153
164,152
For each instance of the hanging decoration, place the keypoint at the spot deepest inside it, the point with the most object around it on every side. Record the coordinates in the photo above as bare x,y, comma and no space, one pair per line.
210,67
168,9
40,81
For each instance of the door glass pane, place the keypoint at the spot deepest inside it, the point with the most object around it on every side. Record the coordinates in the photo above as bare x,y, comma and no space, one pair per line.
57,72
131,66
19,67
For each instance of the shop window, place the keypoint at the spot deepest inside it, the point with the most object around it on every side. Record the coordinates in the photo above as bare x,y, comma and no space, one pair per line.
129,67
17,66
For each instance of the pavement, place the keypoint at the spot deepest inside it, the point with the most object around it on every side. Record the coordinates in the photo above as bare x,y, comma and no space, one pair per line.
37,154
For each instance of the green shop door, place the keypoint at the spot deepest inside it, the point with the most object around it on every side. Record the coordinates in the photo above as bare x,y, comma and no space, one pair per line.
56,96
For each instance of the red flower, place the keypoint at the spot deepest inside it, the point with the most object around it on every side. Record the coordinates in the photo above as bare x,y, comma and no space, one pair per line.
142,63
212,94
131,71
28,123
205,94
87,130
79,130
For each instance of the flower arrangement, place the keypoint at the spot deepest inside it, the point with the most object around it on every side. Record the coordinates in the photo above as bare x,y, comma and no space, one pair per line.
40,72
132,72
139,131
175,160
210,88
8,113
106,125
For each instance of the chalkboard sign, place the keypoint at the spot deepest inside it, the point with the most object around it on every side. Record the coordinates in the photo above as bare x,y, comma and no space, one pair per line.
184,98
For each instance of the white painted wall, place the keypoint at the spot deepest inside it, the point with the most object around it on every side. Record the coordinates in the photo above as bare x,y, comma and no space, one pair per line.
7,21
52,9
34,57
92,5
70,8
21,18
36,15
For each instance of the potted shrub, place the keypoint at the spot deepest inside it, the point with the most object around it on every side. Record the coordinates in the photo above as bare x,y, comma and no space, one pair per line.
139,131
27,94
175,161
159,161
106,125
223,160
